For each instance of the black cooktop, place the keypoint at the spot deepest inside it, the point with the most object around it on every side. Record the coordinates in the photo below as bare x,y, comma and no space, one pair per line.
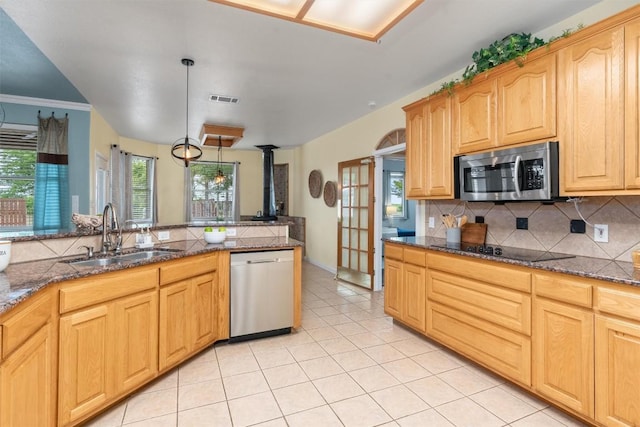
519,254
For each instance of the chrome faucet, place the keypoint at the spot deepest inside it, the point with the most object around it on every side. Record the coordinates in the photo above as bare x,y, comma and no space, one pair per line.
108,229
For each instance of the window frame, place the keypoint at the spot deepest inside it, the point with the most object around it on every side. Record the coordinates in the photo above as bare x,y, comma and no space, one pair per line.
229,170
28,141
387,210
148,189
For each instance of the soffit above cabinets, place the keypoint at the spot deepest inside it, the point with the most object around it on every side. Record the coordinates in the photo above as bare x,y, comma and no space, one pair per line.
215,135
365,19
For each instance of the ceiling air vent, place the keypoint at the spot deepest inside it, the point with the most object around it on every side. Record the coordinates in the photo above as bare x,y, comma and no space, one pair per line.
224,98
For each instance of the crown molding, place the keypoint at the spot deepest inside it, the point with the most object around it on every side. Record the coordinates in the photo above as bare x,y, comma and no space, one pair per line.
41,102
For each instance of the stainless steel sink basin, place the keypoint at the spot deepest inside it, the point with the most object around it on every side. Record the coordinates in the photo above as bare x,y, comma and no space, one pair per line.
121,259
95,262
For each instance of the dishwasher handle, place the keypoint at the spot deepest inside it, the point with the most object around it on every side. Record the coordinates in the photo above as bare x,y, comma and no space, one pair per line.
263,261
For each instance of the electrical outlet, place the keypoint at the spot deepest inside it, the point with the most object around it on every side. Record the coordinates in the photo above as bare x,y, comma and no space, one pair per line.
479,219
231,232
601,233
432,222
577,226
164,235
522,223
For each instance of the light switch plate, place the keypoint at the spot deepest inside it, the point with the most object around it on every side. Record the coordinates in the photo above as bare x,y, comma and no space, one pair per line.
164,235
432,222
231,232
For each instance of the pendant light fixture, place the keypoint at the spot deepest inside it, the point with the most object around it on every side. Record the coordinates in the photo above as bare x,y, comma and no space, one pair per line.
219,179
186,149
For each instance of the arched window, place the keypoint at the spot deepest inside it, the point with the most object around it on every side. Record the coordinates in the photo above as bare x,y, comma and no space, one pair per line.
394,137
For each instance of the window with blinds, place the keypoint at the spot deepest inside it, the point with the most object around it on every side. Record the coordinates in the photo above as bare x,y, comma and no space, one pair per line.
18,144
142,189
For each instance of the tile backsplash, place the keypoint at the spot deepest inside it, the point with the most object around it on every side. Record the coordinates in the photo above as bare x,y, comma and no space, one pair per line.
549,225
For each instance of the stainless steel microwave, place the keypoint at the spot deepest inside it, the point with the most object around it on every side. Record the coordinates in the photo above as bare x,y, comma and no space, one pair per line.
527,173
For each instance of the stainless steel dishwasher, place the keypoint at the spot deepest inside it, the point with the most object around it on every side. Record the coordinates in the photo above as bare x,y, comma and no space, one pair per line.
261,294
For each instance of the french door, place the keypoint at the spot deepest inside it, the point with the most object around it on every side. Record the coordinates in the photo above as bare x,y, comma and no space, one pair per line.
355,221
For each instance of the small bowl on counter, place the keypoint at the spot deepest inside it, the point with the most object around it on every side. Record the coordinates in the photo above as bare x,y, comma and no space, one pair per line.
215,234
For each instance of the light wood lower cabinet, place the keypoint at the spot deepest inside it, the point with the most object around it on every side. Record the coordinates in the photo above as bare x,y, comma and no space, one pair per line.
563,351
405,293
187,318
572,340
27,382
563,341
105,351
484,316
188,308
617,342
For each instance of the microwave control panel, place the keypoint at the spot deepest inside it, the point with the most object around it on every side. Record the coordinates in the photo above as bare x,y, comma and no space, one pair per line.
533,174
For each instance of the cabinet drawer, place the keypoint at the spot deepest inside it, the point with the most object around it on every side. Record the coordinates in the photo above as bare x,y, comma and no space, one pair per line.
504,307
179,269
504,351
618,302
563,288
482,270
415,257
393,251
105,287
29,318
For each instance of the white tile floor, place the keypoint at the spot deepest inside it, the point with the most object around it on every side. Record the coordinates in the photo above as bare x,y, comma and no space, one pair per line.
349,365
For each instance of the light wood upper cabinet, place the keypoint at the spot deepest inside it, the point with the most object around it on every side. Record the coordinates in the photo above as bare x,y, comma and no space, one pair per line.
416,162
527,102
474,116
429,163
438,146
632,105
591,114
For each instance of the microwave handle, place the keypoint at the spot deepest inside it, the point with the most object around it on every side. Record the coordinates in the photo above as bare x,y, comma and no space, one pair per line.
516,174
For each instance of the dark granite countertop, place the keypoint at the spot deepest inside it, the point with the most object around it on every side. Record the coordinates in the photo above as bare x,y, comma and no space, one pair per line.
595,268
19,281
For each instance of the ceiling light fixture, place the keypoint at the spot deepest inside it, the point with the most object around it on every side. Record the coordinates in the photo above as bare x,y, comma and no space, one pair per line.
365,19
186,149
219,179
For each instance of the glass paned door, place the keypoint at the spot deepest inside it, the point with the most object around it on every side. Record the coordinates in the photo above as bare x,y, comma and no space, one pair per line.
355,222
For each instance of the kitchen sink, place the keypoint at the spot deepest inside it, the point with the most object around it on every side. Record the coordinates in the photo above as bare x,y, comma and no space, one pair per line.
121,259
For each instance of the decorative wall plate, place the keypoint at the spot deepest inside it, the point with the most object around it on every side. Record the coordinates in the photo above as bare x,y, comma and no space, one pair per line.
330,192
315,183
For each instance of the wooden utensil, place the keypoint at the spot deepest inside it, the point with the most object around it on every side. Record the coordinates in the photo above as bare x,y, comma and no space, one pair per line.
463,220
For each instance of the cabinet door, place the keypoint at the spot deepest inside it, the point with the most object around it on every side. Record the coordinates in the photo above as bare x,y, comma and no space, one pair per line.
439,166
175,323
563,351
416,155
27,382
527,102
136,337
415,291
393,271
86,352
204,325
591,84
474,117
632,105
617,345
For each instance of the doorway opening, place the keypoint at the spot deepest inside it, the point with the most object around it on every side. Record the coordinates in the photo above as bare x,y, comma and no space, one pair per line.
394,215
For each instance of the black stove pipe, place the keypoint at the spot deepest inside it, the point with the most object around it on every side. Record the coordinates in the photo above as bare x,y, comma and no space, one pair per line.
268,192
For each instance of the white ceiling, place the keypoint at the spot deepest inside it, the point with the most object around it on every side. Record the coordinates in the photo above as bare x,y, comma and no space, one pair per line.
295,82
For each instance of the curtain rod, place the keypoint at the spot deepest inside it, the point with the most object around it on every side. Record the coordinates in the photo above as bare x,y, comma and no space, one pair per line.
53,114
